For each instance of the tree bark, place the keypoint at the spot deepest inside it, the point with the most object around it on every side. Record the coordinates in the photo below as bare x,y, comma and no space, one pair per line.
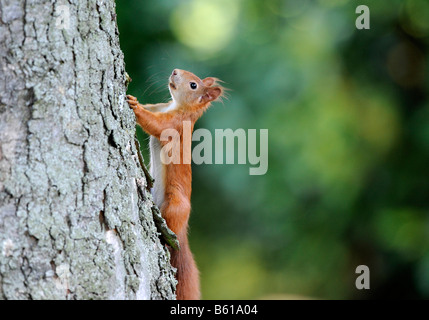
76,218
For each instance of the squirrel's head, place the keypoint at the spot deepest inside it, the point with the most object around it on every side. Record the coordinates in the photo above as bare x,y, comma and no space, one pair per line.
188,90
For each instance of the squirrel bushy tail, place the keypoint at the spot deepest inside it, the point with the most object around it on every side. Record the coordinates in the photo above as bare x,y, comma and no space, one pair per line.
188,286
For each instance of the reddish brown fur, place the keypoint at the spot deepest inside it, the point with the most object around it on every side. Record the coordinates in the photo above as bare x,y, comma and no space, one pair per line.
190,105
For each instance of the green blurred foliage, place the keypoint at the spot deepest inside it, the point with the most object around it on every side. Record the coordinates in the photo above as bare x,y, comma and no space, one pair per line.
347,112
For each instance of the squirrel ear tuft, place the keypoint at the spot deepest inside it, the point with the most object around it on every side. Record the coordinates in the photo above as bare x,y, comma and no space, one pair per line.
208,82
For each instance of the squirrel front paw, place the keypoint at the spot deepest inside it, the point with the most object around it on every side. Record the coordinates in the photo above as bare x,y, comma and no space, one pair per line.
132,102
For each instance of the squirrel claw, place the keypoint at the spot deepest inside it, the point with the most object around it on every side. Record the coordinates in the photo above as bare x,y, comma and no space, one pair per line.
132,101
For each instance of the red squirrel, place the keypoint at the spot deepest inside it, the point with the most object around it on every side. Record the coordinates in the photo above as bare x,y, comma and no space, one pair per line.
191,96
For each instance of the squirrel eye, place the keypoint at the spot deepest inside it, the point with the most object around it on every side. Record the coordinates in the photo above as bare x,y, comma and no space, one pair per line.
193,85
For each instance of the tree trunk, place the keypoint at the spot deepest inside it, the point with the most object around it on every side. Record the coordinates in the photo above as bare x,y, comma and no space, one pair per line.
76,217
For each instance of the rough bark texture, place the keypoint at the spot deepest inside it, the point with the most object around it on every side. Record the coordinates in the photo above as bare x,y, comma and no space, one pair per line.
75,214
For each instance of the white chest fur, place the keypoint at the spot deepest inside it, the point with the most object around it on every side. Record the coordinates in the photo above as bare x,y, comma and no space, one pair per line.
157,171
157,168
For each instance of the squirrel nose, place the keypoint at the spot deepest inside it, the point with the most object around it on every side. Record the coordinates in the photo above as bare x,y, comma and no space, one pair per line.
174,72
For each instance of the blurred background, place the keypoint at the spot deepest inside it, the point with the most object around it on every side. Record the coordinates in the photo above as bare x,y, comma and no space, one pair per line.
347,112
